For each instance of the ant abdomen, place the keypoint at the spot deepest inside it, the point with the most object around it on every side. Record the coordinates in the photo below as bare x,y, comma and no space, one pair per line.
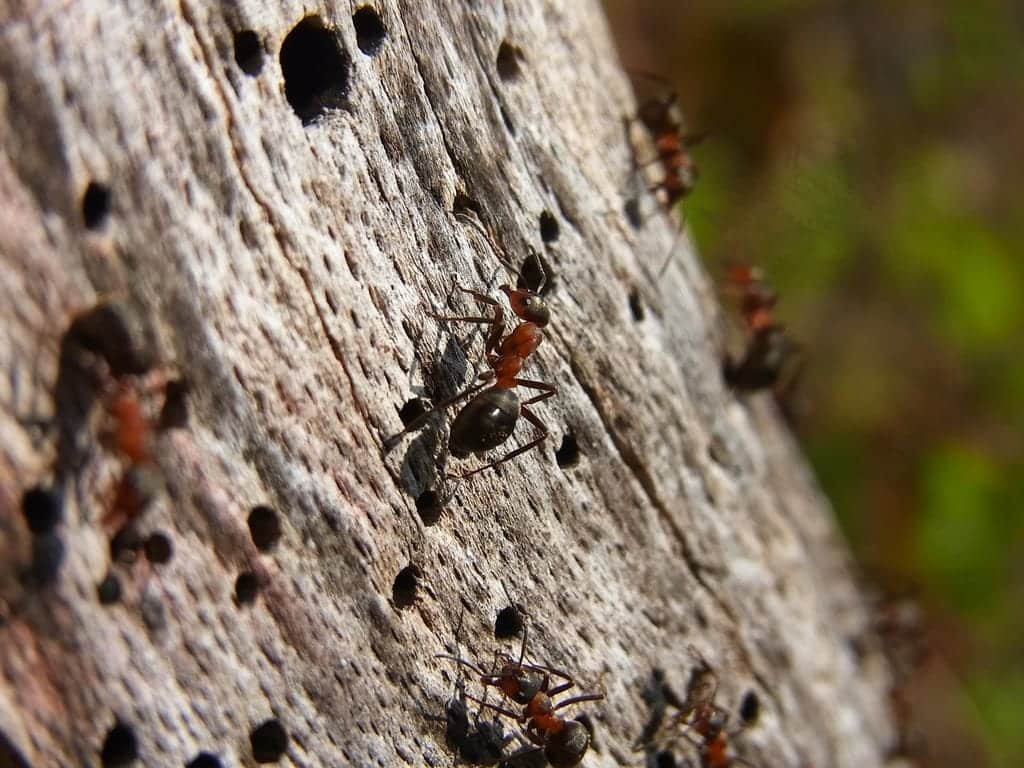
485,422
568,746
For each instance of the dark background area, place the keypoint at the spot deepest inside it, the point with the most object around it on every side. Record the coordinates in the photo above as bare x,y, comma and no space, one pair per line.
869,157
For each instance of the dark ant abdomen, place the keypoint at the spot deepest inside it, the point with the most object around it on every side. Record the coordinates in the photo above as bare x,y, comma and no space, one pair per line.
567,746
485,422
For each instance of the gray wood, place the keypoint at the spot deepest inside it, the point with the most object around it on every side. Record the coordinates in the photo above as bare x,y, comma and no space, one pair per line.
285,270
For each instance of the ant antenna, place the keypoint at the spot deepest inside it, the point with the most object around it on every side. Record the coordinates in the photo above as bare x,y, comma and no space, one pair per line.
478,225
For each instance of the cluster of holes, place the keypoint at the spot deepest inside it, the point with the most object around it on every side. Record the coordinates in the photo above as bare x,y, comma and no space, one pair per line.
249,52
95,205
508,623
403,591
568,453
370,30
429,507
508,61
315,69
247,587
120,747
269,741
549,229
264,527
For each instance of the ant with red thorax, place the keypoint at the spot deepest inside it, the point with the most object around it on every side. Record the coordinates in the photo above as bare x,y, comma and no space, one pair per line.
662,117
701,716
564,742
490,417
768,348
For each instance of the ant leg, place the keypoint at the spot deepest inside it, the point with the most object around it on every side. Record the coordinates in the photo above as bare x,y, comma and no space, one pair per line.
533,419
578,700
420,420
550,390
463,662
518,717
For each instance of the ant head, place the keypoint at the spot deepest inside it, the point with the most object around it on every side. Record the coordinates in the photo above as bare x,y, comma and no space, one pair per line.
528,305
568,746
717,719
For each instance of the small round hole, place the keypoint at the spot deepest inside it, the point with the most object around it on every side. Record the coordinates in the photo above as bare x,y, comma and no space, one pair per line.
403,592
108,591
315,69
429,507
249,52
413,409
750,708
158,548
43,509
113,330
535,274
48,553
508,60
269,742
464,205
95,205
508,623
205,760
120,747
247,587
636,307
549,229
125,544
264,527
568,453
665,759
370,30
632,211
174,414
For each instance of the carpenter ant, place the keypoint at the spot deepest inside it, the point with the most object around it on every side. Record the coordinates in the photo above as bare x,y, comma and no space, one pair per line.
564,742
769,348
490,417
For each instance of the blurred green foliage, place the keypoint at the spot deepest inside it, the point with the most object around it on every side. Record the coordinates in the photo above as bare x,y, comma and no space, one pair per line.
868,156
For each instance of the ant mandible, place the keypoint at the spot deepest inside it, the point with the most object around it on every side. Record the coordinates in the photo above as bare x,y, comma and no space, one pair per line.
564,742
489,419
768,347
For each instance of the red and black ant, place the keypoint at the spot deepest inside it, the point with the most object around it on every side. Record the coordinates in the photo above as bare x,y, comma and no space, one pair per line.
564,742
490,418
663,120
768,348
702,716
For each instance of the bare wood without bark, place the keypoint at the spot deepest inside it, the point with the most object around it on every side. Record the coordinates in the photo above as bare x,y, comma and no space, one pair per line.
284,269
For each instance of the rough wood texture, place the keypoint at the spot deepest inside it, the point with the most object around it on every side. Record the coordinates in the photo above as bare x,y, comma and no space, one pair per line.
284,270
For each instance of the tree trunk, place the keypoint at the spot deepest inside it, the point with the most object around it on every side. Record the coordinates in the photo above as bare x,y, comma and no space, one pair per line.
271,217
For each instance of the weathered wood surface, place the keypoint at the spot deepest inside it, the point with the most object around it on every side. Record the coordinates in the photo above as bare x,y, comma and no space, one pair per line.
285,269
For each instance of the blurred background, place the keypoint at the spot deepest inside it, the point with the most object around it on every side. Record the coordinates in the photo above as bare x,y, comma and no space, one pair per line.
869,156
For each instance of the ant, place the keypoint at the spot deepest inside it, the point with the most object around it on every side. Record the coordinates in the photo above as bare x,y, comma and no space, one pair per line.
663,119
701,716
768,346
564,742
490,417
